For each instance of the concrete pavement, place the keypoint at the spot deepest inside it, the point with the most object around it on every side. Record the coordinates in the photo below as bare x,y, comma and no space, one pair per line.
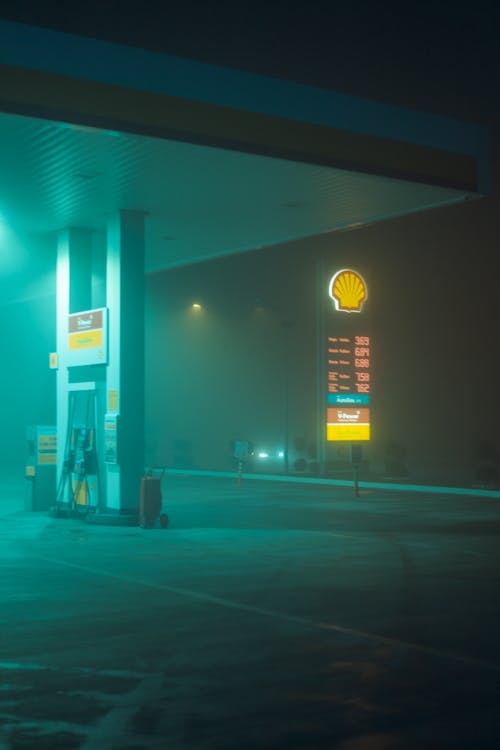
274,616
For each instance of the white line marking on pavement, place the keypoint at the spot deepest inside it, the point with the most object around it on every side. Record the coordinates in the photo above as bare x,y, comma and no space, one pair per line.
296,619
123,673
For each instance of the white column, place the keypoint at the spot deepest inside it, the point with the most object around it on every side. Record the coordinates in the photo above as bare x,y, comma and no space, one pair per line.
73,292
125,372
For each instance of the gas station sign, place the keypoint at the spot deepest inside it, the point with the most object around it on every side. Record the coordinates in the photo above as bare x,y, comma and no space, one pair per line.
87,342
347,289
348,362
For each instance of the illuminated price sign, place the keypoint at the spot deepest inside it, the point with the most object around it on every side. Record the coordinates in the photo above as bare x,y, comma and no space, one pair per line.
348,362
348,388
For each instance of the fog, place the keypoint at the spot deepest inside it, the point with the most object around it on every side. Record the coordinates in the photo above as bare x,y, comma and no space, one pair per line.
244,365
220,372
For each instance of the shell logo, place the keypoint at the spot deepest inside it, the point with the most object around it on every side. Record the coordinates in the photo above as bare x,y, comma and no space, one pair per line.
348,290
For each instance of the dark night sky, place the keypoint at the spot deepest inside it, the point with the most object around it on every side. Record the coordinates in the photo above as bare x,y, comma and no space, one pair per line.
440,56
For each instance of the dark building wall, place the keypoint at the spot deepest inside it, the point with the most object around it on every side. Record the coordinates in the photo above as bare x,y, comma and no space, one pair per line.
221,372
433,281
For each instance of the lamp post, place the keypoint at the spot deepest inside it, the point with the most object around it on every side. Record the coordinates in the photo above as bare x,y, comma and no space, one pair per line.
286,325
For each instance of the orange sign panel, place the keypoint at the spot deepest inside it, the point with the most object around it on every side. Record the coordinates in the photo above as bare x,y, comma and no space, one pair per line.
86,321
347,415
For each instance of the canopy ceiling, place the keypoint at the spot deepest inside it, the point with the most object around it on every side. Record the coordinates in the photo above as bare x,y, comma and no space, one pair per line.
201,201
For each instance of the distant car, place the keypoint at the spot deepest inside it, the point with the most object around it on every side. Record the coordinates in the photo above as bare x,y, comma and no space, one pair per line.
258,458
265,459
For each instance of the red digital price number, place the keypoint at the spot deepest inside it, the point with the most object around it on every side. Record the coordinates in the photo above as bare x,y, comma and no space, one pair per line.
357,378
362,361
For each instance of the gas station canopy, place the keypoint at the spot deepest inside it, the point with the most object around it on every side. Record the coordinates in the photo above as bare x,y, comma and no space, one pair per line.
221,161
175,162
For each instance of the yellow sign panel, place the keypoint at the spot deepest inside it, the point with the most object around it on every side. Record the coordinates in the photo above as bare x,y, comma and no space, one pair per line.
80,492
352,432
47,443
112,400
47,458
85,340
53,360
348,290
47,448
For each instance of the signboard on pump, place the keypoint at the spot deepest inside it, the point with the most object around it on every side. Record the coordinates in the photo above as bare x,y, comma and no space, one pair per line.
87,342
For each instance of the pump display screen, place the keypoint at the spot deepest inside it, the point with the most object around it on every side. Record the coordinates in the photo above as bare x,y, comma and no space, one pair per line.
348,387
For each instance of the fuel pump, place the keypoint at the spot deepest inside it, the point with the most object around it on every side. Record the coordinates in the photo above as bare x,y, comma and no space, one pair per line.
84,483
78,487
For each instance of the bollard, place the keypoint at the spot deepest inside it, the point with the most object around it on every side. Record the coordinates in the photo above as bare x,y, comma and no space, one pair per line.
356,458
241,451
356,477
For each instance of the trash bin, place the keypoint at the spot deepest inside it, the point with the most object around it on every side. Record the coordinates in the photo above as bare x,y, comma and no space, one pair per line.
151,500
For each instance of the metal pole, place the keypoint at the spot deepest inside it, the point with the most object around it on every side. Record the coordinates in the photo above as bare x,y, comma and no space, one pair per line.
286,324
321,376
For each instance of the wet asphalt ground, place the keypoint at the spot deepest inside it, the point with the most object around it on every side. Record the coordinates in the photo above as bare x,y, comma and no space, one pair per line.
269,616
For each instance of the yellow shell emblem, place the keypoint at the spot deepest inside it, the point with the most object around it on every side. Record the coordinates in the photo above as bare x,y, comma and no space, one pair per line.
348,290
